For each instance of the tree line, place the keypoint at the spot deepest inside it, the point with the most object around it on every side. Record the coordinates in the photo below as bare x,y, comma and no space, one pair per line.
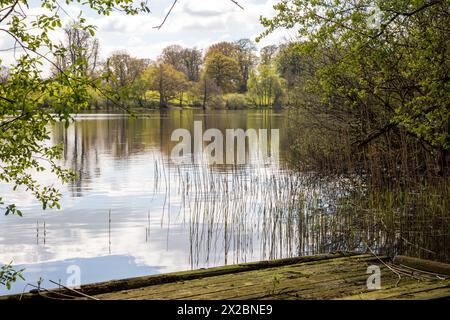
224,75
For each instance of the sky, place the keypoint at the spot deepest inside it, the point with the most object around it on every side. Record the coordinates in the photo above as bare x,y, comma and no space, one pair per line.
192,23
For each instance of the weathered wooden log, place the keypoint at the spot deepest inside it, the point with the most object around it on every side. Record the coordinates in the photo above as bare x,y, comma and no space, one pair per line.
132,283
425,265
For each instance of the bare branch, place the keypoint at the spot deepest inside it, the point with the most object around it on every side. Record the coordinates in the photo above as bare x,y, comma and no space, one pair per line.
10,10
167,15
173,5
237,3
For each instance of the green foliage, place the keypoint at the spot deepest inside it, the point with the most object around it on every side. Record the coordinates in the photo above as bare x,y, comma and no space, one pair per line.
124,78
374,81
167,81
8,275
235,101
206,93
30,102
266,87
224,71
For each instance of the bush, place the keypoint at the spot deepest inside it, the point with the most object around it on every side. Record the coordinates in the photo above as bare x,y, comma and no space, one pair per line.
216,102
235,101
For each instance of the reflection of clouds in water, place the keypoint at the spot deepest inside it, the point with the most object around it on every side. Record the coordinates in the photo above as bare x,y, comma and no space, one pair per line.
91,270
123,167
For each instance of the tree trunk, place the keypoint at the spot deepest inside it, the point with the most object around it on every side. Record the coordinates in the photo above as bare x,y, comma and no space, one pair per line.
204,96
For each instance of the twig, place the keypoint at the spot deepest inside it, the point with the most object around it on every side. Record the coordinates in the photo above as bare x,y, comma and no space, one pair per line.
40,288
437,275
167,15
9,12
236,3
173,5
389,267
75,291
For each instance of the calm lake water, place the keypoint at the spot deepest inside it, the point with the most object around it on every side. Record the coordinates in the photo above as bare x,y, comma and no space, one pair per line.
133,212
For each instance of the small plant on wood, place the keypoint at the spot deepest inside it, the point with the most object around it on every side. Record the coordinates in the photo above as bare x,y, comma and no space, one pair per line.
275,283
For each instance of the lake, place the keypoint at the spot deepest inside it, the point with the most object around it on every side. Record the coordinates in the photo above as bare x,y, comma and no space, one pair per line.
133,212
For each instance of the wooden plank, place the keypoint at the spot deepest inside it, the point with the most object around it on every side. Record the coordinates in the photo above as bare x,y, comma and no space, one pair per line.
335,289
259,289
346,287
132,283
330,276
388,283
433,294
425,265
311,288
312,279
231,281
401,290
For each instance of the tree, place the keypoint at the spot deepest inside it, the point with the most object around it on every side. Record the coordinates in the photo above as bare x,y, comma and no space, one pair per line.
206,90
268,54
169,82
185,60
242,52
290,62
125,69
246,59
226,48
80,48
174,55
29,101
266,87
192,59
124,76
385,81
224,71
292,65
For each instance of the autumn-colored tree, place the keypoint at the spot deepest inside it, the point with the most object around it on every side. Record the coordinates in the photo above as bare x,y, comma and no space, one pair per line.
192,60
123,78
125,69
173,55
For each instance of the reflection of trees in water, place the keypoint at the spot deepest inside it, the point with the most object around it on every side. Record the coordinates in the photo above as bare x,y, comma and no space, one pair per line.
238,213
89,140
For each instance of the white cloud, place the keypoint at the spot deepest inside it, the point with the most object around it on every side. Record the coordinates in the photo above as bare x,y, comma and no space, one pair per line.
192,23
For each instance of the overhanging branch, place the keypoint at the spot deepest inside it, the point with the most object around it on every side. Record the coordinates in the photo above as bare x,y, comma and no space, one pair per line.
173,5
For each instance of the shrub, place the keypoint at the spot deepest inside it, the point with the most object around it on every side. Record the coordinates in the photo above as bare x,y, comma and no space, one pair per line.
235,101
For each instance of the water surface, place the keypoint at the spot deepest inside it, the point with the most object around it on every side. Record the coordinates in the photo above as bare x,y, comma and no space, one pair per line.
133,212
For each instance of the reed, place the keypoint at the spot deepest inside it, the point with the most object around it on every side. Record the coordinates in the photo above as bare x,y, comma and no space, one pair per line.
259,212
